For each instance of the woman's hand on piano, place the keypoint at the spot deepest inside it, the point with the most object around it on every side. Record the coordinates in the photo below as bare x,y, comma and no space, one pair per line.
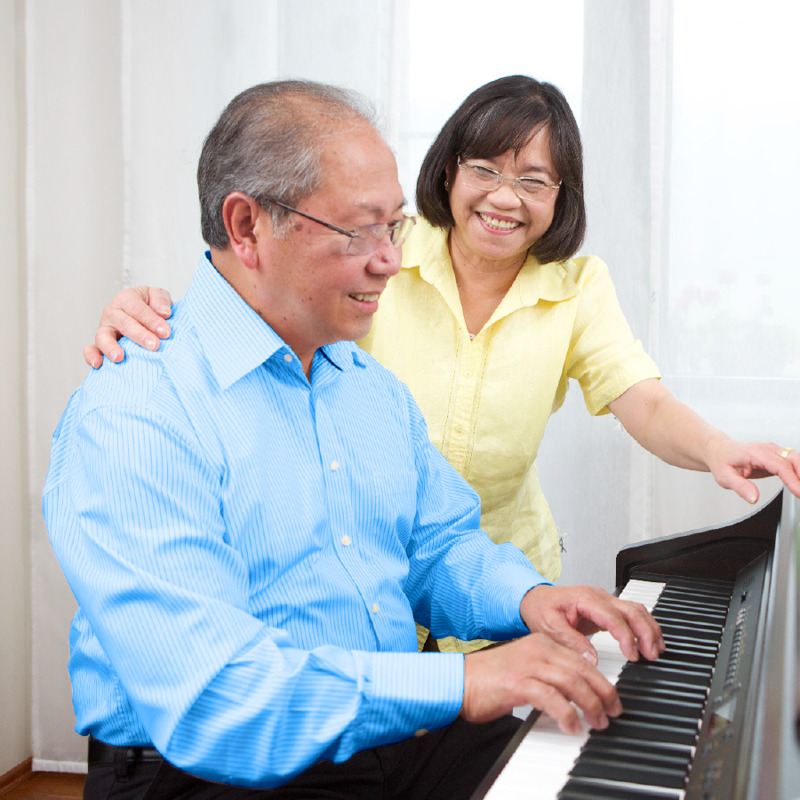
569,613
734,464
535,670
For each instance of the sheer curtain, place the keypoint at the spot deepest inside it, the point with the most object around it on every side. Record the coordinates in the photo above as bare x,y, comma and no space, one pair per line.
120,93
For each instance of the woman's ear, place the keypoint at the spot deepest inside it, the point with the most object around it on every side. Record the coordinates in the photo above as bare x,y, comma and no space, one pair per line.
449,171
244,223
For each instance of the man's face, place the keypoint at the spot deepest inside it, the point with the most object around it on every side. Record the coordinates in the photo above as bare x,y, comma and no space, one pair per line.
313,291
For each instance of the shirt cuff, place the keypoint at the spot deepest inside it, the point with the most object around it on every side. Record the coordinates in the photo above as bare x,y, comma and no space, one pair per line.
407,693
503,597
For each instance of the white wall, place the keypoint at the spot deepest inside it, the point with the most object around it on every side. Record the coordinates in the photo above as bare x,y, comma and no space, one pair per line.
15,619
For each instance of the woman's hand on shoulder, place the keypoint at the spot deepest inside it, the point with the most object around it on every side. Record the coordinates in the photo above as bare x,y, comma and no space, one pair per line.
138,313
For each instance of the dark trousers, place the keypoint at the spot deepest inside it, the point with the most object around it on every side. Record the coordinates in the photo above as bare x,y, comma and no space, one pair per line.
447,764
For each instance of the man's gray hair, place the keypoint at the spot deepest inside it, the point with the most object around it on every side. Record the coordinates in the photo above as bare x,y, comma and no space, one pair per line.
268,144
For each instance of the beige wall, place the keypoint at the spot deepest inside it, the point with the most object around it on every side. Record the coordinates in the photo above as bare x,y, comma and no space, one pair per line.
15,580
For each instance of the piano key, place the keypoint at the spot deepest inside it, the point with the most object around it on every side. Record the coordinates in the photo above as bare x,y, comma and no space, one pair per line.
649,731
591,789
659,705
623,768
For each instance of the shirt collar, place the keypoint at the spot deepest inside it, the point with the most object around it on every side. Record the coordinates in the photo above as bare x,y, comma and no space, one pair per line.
427,251
234,338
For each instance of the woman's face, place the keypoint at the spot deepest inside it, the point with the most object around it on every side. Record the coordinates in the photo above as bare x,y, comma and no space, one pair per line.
495,229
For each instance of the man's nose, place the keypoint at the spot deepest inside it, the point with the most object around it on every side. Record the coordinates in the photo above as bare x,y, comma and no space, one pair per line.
386,258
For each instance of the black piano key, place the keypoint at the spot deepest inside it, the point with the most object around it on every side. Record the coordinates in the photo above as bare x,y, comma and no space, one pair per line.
697,586
670,595
701,607
678,722
648,731
660,705
661,752
698,634
687,644
656,673
694,620
623,769
588,789
680,659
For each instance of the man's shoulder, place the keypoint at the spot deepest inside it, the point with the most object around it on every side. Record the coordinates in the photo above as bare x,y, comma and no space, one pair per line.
144,375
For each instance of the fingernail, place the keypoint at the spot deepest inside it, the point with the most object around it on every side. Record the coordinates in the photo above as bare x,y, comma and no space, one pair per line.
164,310
152,344
162,331
590,657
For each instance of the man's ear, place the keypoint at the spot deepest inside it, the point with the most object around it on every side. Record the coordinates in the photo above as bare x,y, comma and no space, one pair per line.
244,224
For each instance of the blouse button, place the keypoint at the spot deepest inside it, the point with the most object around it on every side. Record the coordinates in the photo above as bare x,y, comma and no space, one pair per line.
287,358
334,466
375,608
346,540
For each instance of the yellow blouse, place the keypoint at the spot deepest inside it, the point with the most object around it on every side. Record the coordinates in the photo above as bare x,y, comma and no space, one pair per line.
487,401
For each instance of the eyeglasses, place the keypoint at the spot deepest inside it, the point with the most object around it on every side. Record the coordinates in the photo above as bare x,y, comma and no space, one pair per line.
365,238
476,176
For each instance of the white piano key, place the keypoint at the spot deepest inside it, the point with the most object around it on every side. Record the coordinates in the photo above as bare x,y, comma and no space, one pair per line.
540,765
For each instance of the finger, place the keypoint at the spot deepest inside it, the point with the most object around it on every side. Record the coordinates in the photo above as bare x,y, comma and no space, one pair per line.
582,685
550,701
92,356
160,301
117,323
739,483
566,635
133,316
629,623
105,341
788,470
648,639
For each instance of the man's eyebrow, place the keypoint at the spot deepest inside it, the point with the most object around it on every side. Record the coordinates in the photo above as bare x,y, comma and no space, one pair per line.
378,210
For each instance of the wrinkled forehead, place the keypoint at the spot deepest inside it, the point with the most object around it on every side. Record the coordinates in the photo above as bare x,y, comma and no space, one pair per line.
359,167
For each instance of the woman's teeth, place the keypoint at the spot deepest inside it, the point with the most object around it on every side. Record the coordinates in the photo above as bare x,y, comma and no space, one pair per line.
499,224
366,298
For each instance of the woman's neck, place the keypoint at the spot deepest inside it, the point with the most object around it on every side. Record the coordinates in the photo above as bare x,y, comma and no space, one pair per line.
482,284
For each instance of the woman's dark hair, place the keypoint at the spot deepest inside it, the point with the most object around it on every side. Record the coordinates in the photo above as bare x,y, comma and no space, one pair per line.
503,115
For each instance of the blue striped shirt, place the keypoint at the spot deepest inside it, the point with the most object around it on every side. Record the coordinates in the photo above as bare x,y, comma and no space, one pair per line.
250,549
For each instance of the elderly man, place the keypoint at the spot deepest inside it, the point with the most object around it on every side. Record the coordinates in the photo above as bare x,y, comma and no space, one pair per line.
247,599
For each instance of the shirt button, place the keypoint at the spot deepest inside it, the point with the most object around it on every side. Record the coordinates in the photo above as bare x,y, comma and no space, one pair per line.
287,358
334,466
459,428
467,373
375,608
346,540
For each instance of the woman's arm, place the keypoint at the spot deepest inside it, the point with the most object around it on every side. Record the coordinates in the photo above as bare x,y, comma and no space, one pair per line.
139,314
672,431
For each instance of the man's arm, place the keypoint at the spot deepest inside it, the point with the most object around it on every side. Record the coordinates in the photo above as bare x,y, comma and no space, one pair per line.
463,584
166,592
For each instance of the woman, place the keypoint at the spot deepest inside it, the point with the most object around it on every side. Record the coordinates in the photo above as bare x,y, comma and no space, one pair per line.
492,314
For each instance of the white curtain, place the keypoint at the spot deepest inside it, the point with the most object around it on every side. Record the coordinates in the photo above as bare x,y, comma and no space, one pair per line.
691,165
